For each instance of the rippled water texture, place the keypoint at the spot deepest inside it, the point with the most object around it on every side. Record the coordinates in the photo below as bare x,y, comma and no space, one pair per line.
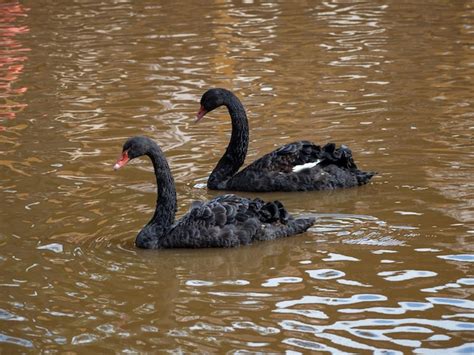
387,267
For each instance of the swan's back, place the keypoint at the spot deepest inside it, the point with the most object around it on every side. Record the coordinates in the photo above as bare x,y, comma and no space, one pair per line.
300,166
230,220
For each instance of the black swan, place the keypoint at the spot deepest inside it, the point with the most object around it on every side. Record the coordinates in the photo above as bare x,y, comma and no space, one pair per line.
225,221
298,166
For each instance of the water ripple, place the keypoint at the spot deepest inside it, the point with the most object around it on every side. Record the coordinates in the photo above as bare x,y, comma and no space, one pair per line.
364,329
16,341
325,274
455,302
277,281
386,275
332,301
404,275
460,257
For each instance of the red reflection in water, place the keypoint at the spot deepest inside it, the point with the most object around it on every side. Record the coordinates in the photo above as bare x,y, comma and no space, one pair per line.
12,55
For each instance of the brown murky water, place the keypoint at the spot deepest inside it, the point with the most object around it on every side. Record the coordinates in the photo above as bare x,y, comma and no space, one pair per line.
386,268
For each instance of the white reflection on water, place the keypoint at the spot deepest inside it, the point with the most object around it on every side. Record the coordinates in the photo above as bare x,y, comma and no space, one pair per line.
459,257
366,329
325,274
403,275
332,301
98,73
277,281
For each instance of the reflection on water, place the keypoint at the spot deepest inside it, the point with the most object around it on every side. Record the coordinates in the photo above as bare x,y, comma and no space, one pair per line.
386,268
12,56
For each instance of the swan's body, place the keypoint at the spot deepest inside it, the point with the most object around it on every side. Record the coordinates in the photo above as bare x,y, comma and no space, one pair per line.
225,221
298,166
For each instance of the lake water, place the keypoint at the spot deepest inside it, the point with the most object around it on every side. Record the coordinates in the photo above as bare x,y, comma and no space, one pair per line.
387,268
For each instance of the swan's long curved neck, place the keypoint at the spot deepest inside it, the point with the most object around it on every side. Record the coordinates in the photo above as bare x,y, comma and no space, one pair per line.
236,151
153,234
166,202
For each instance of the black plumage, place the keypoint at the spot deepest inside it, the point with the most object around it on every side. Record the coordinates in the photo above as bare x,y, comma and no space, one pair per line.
327,167
225,221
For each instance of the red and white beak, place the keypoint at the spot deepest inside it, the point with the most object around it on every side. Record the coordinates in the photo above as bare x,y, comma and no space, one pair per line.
201,113
123,160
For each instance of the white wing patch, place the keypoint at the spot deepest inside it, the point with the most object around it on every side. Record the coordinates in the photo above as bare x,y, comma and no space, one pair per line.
298,168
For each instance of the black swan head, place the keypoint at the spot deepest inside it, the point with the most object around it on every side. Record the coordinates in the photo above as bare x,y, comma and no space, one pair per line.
133,148
212,99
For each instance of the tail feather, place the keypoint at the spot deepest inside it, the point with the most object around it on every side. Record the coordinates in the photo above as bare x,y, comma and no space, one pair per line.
363,177
301,225
276,231
341,156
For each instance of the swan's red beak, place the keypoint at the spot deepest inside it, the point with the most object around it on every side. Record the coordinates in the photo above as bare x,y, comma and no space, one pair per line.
123,160
201,113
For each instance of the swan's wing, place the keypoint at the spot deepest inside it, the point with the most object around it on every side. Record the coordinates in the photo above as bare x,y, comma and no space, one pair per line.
301,155
233,210
227,221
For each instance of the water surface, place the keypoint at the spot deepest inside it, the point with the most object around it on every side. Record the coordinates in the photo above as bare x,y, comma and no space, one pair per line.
387,267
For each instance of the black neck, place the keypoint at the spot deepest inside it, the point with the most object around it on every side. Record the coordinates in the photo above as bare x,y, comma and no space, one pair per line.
166,202
236,151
